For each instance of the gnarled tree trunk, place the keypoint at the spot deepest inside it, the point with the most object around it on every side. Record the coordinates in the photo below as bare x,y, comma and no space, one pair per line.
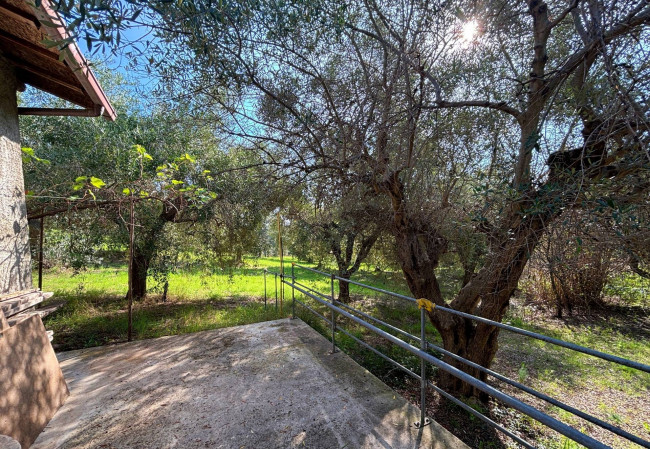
144,251
487,294
139,271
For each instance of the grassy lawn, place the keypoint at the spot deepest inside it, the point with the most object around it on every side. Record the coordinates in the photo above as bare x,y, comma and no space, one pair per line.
95,314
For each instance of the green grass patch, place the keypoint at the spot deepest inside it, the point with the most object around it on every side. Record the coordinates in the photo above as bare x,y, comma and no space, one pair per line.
210,298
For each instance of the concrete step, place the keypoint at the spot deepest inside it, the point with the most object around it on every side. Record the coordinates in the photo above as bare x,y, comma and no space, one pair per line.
12,305
43,312
14,295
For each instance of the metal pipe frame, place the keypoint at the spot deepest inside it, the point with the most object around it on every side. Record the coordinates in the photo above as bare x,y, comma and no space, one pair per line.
543,418
423,370
333,315
545,338
592,419
377,320
293,292
481,416
314,311
398,365
549,399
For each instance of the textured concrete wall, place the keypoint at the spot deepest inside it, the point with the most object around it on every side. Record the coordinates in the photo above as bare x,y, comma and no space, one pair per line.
31,383
15,263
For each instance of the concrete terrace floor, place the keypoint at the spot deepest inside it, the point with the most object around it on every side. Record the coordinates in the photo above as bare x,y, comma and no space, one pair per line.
265,385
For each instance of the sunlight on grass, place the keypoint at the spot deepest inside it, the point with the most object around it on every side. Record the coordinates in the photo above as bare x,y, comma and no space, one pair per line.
198,300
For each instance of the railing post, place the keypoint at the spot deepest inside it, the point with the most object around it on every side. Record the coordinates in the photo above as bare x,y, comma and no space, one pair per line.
333,314
276,291
423,369
293,291
264,288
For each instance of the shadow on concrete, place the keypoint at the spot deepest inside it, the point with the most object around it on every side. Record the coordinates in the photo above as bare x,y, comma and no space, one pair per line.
266,385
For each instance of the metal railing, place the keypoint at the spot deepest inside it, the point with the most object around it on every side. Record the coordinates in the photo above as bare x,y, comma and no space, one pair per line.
275,278
366,320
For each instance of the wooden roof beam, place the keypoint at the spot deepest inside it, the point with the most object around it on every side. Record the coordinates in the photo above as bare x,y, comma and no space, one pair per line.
66,112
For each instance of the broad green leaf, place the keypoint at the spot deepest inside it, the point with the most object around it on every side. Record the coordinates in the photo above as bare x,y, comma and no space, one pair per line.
96,182
29,155
126,191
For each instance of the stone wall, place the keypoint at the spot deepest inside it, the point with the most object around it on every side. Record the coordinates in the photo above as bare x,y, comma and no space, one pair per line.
15,260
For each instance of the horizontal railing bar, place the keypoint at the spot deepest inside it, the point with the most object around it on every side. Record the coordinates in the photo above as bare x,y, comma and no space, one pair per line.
313,270
549,399
440,391
380,290
555,341
358,340
377,320
481,416
313,311
379,353
543,418
316,292
414,375
396,329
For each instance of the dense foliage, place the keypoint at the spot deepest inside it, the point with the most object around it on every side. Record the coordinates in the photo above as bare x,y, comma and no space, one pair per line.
466,128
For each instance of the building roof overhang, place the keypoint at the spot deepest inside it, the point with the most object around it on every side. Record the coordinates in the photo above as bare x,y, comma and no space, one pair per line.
35,40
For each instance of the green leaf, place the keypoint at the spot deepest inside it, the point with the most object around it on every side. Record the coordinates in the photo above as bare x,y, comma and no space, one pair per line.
126,191
96,182
28,151
140,149
29,155
176,182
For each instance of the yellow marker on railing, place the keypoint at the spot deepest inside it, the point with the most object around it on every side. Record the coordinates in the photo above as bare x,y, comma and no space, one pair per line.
424,303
